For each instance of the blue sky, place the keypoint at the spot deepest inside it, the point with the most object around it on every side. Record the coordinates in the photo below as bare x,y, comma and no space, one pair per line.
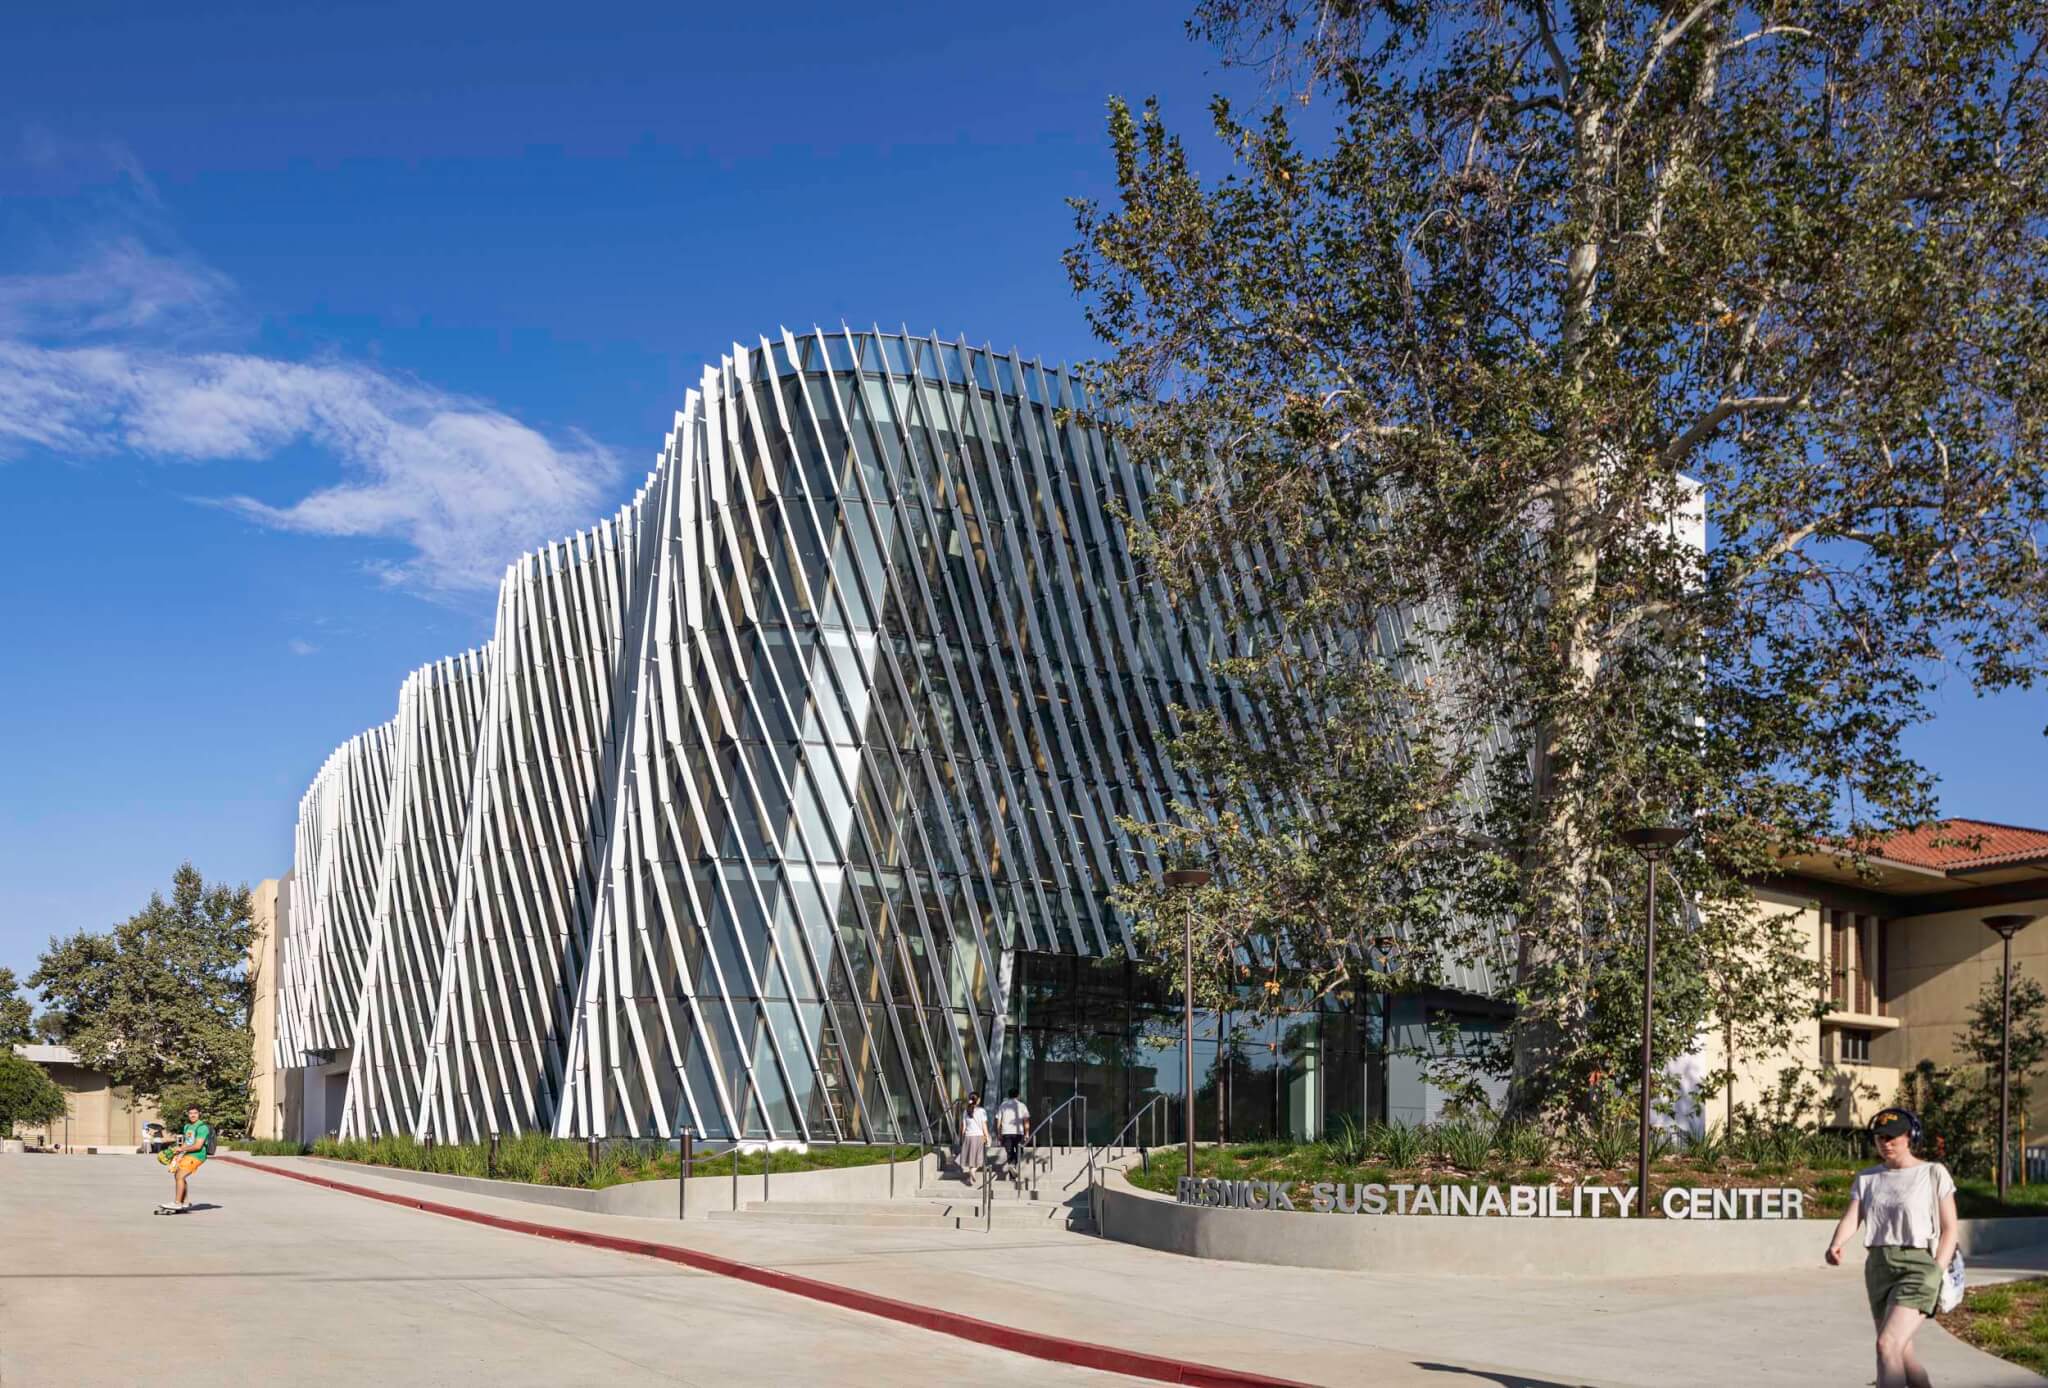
329,313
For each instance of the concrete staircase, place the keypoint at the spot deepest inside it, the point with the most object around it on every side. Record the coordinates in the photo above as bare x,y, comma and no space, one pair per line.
952,1203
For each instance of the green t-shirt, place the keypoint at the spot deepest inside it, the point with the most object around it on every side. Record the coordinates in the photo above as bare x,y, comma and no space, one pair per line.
195,1137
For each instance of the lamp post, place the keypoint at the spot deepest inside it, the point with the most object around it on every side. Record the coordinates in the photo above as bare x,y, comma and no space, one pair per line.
1187,881
1653,843
2007,927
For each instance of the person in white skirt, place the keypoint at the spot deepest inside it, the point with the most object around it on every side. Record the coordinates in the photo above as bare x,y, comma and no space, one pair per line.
973,1137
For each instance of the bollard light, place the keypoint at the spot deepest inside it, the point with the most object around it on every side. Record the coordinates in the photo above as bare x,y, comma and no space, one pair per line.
1653,843
1188,881
2007,927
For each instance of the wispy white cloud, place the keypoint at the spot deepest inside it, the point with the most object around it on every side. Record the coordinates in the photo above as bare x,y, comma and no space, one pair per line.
97,361
122,289
300,646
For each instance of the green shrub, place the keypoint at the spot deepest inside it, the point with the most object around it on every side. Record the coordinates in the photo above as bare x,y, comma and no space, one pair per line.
1347,1145
537,1159
1462,1145
271,1147
1607,1146
1707,1148
1397,1144
1523,1144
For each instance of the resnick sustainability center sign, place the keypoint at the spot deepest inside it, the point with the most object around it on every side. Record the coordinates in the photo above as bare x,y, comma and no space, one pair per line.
1509,1202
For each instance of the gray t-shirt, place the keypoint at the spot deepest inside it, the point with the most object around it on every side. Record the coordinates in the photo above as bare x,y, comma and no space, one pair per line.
1902,1206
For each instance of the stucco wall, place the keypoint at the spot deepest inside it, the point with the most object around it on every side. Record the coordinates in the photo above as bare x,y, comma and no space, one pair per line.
1757,1073
1937,966
265,1105
100,1114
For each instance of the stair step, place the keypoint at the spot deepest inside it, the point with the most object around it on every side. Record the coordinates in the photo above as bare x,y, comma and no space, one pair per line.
1044,1213
1002,1190
860,1219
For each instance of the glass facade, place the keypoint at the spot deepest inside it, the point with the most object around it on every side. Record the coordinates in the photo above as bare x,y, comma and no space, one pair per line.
784,803
1100,1028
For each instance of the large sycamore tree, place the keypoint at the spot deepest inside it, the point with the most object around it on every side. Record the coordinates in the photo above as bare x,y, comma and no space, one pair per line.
1662,386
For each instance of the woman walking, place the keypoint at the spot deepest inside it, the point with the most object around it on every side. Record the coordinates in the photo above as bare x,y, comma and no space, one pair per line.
1907,1208
973,1137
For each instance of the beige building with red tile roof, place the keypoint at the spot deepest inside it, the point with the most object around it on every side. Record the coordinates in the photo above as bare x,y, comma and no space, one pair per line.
1907,952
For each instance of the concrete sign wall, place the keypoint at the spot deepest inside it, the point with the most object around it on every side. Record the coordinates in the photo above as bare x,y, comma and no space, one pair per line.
1484,1246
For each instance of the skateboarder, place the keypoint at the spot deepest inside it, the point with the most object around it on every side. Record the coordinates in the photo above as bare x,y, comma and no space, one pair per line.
195,1145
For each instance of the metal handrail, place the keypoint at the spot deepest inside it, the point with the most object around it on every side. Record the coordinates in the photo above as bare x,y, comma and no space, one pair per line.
1156,1101
1041,1126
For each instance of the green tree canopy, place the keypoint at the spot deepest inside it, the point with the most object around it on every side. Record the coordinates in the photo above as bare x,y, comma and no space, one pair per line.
17,1023
164,999
1665,379
27,1094
1983,1039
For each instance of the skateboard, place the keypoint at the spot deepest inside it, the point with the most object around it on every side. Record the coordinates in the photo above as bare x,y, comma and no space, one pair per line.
170,1209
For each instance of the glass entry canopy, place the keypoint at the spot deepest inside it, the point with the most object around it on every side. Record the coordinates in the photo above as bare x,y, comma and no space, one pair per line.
742,819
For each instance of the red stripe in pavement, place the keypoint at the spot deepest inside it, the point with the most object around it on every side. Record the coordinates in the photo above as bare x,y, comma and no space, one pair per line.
1056,1348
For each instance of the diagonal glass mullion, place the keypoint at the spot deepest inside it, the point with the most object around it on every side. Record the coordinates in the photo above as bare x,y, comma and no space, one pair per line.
1089,842
1005,706
863,497
1090,448
1033,811
977,857
1009,824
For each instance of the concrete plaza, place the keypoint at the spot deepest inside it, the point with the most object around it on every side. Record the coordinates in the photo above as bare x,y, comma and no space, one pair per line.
280,1282
290,1280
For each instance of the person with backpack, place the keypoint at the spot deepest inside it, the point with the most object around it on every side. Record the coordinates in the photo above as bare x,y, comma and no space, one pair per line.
1907,1207
195,1145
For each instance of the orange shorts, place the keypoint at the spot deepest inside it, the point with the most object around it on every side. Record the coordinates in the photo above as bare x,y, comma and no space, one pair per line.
186,1164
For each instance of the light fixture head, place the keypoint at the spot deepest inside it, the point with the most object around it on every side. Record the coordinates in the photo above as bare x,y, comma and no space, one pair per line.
1182,879
2009,926
1654,841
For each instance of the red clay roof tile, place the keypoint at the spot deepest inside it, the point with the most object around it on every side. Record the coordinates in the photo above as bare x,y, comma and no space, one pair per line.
1947,844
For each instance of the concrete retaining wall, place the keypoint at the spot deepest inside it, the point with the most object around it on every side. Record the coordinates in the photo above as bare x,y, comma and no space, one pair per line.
1480,1247
657,1199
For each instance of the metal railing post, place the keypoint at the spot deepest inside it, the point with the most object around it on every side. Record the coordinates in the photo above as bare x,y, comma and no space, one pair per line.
683,1176
1091,1146
765,1164
735,1177
491,1162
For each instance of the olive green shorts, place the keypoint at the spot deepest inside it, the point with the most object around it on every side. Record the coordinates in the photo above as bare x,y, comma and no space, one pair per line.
1901,1277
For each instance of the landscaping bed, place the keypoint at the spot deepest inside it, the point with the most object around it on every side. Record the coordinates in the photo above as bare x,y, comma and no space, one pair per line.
2009,1320
552,1161
1821,1165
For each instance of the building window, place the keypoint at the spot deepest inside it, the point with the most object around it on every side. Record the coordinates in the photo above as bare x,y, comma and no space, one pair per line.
1852,1047
1855,967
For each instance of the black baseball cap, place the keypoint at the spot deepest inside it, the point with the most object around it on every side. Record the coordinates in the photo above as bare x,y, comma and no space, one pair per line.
1893,1122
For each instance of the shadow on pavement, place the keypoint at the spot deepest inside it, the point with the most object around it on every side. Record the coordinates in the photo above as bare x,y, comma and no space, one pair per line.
1504,1380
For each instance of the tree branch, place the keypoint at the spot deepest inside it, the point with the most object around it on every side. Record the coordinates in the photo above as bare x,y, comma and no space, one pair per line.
1766,32
1702,428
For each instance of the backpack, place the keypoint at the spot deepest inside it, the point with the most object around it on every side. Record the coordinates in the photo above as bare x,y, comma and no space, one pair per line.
209,1139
